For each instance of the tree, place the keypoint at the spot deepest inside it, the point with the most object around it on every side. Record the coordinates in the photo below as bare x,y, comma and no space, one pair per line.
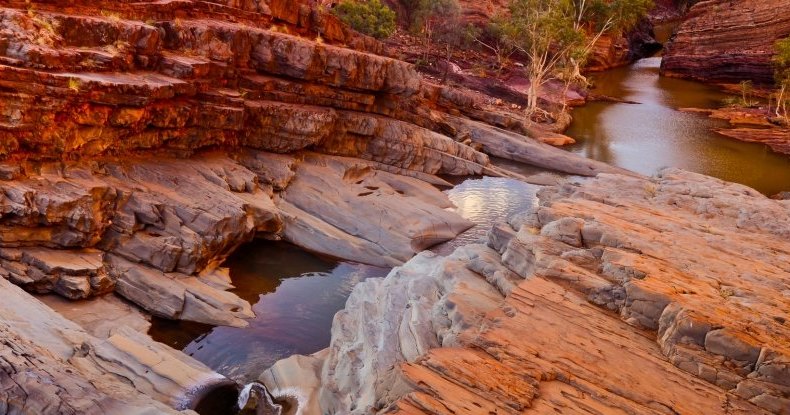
493,38
558,35
782,74
370,17
543,30
444,28
437,22
425,14
595,18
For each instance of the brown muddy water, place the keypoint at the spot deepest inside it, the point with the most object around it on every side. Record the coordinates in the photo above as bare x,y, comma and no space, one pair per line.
651,135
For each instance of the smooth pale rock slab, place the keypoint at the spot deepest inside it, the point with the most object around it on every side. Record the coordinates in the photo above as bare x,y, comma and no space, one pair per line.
100,315
298,379
158,370
513,146
349,210
177,296
52,366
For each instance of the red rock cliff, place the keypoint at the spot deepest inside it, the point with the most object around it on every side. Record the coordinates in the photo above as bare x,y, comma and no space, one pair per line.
728,40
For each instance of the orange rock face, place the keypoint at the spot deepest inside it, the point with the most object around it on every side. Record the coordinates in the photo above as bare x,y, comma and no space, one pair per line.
176,76
728,41
615,295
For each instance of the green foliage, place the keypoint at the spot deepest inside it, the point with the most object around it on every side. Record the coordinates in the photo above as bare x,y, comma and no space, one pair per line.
424,13
746,97
782,74
782,60
371,17
625,14
747,93
558,35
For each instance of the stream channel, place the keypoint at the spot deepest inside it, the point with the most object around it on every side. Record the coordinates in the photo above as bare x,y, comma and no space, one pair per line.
295,294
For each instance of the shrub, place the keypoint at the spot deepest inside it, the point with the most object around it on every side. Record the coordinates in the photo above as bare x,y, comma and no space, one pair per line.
371,17
782,66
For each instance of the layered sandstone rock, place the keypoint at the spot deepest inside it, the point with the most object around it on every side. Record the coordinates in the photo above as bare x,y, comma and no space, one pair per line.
754,125
51,365
84,84
619,294
620,49
155,231
184,76
776,138
728,41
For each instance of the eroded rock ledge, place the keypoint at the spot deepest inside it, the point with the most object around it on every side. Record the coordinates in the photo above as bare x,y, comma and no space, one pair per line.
110,112
155,231
619,294
93,78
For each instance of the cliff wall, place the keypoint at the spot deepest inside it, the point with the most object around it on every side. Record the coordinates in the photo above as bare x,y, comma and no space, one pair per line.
728,41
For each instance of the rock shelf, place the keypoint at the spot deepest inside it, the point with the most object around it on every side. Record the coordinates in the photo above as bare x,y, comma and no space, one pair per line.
618,294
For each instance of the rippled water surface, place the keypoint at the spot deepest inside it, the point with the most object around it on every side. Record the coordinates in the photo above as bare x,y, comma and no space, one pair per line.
486,201
652,135
295,295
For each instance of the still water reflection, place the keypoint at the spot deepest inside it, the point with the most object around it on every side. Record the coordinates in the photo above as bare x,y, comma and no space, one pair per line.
652,135
295,295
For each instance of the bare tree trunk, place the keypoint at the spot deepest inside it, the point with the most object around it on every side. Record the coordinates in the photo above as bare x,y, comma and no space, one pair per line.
447,62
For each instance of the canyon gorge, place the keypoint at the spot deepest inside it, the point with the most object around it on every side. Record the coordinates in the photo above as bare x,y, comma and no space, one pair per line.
143,143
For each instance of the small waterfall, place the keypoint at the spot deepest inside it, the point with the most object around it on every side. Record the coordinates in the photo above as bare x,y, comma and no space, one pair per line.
251,399
255,399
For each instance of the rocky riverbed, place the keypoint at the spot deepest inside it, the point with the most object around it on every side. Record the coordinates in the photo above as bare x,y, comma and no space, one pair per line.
614,294
142,143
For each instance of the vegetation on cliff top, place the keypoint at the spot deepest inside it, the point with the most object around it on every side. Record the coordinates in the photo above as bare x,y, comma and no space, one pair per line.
553,38
370,17
782,73
557,36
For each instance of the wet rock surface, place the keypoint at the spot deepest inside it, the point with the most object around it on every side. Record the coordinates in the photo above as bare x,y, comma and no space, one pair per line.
617,294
